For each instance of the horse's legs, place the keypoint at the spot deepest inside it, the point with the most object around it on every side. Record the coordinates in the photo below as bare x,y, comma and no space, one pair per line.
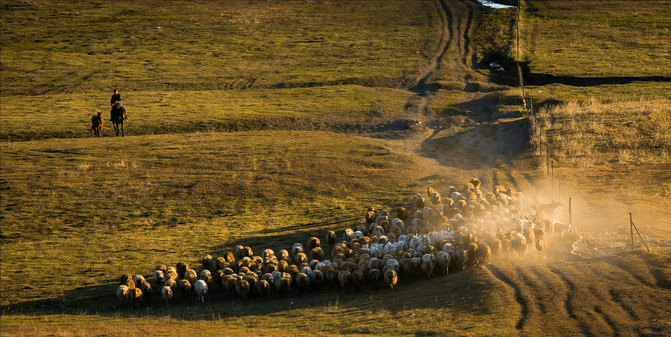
121,126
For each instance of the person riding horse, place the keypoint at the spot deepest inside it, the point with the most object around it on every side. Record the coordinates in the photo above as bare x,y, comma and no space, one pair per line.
118,114
116,97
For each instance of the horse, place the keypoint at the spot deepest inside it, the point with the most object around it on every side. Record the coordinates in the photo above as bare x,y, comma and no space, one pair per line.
118,117
97,124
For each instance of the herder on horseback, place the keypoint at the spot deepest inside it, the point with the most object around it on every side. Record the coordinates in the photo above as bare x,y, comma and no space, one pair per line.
118,116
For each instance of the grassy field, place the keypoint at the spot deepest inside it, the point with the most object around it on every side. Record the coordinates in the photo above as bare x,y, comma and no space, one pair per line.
248,125
599,75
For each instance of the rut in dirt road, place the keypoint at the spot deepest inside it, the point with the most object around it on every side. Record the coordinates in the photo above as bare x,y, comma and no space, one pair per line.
561,295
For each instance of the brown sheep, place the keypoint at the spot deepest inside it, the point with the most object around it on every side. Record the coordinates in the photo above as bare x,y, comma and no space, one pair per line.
345,279
375,278
97,124
317,253
135,297
146,291
208,262
242,288
302,281
390,278
127,280
331,239
181,267
283,285
184,287
472,249
483,253
313,242
263,289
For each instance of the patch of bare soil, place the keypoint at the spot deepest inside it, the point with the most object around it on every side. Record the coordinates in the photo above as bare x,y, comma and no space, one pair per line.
589,282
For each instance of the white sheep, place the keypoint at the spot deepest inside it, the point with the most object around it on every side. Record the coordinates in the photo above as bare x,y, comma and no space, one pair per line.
201,289
166,294
122,294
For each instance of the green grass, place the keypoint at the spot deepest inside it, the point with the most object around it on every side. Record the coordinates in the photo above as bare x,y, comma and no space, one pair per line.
594,40
153,112
200,45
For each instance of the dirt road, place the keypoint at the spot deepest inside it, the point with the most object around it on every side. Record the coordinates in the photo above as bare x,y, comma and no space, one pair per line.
589,282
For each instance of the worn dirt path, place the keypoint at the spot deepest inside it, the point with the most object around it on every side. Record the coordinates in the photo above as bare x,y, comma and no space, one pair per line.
588,283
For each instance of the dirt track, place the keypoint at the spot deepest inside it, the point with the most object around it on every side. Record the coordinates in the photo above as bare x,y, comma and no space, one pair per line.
590,283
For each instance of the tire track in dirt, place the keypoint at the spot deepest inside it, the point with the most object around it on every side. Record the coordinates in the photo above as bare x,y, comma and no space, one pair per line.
500,275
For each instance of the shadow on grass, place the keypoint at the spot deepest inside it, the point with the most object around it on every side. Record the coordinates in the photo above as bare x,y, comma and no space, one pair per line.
465,291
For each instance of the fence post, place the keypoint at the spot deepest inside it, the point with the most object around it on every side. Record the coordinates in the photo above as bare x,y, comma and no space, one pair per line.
639,234
570,217
631,229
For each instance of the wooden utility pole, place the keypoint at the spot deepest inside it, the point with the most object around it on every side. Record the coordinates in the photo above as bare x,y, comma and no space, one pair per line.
519,69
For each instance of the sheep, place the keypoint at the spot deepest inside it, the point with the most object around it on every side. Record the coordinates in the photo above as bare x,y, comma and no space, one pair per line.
191,276
242,288
166,294
496,245
483,253
122,294
219,263
237,252
283,255
206,276
159,277
358,279
300,258
371,215
472,249
146,291
172,284
390,278
184,287
428,265
201,289
331,239
208,262
296,249
267,253
171,273
317,254
127,280
283,285
313,242
317,279
475,182
135,297
540,246
375,278
229,257
442,262
529,235
182,267
345,279
228,283
561,228
519,243
263,288
138,280
302,281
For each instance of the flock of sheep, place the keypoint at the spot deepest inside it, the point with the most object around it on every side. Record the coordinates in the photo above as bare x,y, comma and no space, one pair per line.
441,235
